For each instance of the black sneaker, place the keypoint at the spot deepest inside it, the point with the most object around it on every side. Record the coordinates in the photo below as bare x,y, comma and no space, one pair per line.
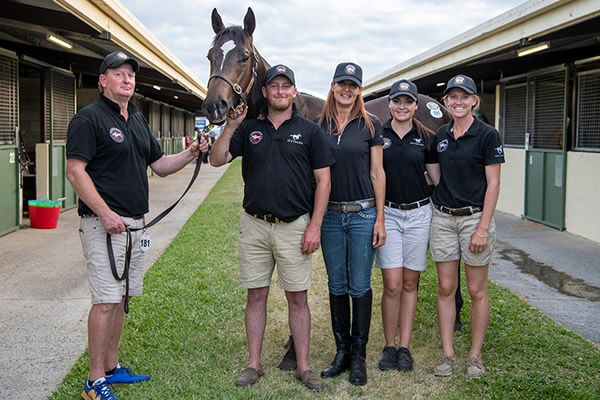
405,360
388,358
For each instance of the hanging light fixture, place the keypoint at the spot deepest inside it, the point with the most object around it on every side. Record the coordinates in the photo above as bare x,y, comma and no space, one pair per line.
59,41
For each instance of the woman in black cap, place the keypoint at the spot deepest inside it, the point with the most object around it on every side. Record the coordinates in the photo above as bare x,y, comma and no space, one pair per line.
407,152
470,153
354,224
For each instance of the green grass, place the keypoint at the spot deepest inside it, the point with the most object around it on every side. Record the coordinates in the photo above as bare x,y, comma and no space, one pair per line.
187,331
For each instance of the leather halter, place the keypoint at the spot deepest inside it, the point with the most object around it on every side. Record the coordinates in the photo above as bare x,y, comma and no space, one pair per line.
234,85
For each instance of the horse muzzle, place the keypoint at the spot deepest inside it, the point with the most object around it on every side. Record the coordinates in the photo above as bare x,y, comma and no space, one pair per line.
216,109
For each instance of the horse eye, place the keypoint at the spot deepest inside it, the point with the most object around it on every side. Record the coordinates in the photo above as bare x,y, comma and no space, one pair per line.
245,57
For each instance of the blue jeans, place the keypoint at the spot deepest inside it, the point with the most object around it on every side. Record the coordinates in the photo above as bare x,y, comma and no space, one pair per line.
347,245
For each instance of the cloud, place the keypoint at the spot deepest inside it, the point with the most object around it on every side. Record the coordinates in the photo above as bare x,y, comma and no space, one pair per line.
313,36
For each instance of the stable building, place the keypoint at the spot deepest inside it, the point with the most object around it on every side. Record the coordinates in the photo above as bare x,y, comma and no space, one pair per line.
537,67
50,53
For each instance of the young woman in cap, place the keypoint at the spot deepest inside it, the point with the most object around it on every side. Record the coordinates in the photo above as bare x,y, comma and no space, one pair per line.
407,152
470,153
354,224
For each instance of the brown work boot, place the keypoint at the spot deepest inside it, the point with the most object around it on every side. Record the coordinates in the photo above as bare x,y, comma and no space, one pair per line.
311,380
248,377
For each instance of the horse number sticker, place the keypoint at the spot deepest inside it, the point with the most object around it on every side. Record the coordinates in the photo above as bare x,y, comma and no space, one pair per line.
436,113
145,243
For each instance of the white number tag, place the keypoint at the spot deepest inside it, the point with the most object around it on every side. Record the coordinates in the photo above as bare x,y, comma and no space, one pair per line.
145,243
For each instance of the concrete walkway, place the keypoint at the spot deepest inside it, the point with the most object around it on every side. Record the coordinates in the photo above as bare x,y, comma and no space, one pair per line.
556,272
44,296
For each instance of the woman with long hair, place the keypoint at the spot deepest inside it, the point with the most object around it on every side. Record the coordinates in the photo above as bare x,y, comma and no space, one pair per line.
353,226
470,153
407,153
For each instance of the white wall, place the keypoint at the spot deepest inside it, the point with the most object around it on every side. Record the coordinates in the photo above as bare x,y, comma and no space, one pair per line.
582,211
512,182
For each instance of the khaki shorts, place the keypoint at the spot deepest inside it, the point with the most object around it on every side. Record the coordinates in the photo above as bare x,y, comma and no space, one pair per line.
104,287
450,236
262,245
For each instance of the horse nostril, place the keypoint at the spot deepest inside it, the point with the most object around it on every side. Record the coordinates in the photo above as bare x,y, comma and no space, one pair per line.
223,107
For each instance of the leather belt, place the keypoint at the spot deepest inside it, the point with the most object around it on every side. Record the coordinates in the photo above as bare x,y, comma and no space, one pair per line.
94,215
350,206
408,206
270,218
458,212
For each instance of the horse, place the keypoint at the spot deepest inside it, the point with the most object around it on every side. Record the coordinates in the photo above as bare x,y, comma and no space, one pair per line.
237,75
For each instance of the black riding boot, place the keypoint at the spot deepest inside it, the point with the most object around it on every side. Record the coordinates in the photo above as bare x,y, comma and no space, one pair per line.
361,323
340,322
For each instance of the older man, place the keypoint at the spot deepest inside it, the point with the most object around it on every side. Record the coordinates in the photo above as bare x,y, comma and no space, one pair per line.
109,148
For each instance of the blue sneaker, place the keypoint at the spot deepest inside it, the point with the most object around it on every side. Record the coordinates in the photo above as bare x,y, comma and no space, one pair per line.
100,390
125,376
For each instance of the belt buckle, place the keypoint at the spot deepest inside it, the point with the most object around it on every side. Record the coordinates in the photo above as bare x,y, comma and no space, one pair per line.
344,208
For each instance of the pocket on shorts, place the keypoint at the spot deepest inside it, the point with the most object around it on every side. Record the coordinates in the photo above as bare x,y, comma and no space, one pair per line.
368,213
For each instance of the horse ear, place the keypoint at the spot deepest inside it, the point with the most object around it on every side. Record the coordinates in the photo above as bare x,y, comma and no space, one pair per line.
249,22
217,22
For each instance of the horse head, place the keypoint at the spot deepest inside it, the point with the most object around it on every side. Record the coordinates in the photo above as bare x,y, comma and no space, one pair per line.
234,64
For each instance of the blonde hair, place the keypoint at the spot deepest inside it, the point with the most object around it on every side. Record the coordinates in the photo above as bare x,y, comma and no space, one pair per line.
329,114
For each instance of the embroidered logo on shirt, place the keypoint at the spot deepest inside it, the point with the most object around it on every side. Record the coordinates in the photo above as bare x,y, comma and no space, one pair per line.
499,151
256,137
116,135
417,142
387,142
442,146
295,138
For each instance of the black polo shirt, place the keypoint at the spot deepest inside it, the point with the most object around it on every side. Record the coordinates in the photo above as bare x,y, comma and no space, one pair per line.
278,164
350,175
117,153
462,163
404,163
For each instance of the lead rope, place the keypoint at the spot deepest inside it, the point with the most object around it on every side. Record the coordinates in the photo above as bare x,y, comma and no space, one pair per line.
111,256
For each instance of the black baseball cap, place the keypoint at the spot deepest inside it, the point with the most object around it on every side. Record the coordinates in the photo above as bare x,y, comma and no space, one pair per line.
462,82
404,87
280,70
348,71
116,59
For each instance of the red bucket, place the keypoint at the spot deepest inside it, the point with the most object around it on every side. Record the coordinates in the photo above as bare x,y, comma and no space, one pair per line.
43,214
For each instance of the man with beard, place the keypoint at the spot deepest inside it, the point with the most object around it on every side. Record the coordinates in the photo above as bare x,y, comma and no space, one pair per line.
281,153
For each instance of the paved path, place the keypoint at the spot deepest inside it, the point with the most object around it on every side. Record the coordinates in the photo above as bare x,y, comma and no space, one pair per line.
556,272
44,296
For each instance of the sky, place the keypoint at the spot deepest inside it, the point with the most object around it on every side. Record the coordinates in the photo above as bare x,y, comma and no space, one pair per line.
313,36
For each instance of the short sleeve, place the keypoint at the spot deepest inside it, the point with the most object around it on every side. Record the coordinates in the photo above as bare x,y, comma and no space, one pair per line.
321,155
377,139
236,145
493,148
81,139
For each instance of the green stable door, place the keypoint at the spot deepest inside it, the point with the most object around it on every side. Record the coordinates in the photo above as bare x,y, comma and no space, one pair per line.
9,193
545,148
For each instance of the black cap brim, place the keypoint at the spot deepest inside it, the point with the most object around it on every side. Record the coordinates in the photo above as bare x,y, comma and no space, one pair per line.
412,96
347,78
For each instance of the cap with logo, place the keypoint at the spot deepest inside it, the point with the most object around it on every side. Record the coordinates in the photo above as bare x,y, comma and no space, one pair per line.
116,59
404,87
280,70
462,82
348,71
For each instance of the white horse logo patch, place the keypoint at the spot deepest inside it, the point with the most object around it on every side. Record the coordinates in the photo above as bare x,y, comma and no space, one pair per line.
116,135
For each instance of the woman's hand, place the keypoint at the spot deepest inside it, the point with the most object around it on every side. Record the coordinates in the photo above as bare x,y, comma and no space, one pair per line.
478,242
379,234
